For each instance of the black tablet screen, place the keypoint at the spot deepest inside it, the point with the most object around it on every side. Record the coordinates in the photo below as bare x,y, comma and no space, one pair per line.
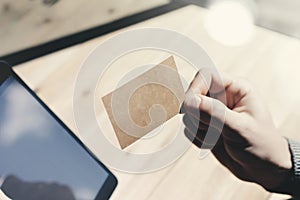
39,159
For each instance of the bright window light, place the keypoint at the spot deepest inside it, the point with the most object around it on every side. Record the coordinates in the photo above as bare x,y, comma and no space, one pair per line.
230,22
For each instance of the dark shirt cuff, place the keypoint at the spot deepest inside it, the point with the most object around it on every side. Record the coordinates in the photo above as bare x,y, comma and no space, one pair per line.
292,185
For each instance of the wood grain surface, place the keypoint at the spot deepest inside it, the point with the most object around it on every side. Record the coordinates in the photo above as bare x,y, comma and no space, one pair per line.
270,61
26,23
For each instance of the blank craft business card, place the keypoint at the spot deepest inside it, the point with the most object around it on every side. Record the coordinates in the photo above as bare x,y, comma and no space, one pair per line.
153,98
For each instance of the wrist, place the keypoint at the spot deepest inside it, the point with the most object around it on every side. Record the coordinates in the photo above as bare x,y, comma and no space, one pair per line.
286,162
291,183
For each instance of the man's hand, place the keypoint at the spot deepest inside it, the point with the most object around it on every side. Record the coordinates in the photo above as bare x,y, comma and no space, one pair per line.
249,145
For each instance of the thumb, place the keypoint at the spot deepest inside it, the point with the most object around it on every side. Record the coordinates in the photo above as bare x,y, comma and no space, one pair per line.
220,114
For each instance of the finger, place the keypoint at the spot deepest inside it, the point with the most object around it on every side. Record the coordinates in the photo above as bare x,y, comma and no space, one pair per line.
196,123
203,133
201,82
209,80
223,119
192,138
219,113
228,122
208,107
191,107
203,139
194,113
202,130
213,112
206,82
241,95
195,140
193,128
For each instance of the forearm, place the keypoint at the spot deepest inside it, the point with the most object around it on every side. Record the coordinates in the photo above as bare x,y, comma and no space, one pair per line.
292,184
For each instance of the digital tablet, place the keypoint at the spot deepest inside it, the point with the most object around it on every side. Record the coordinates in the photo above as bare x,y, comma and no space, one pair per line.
40,158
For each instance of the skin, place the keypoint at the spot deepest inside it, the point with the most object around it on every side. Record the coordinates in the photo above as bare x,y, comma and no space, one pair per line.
3,196
249,144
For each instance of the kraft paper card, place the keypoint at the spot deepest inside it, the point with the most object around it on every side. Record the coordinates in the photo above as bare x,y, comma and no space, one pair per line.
144,103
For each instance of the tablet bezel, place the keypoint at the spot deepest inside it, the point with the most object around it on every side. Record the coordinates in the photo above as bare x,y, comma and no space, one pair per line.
111,182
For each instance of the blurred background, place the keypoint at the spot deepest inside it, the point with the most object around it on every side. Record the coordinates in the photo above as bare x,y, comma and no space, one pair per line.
28,23
267,56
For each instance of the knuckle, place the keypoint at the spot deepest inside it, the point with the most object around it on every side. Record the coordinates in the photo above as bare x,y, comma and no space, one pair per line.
245,85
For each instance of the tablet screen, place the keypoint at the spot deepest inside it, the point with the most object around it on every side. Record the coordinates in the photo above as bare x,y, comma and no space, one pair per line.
39,159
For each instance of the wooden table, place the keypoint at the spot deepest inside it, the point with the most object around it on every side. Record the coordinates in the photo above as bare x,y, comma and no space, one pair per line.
270,61
41,23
